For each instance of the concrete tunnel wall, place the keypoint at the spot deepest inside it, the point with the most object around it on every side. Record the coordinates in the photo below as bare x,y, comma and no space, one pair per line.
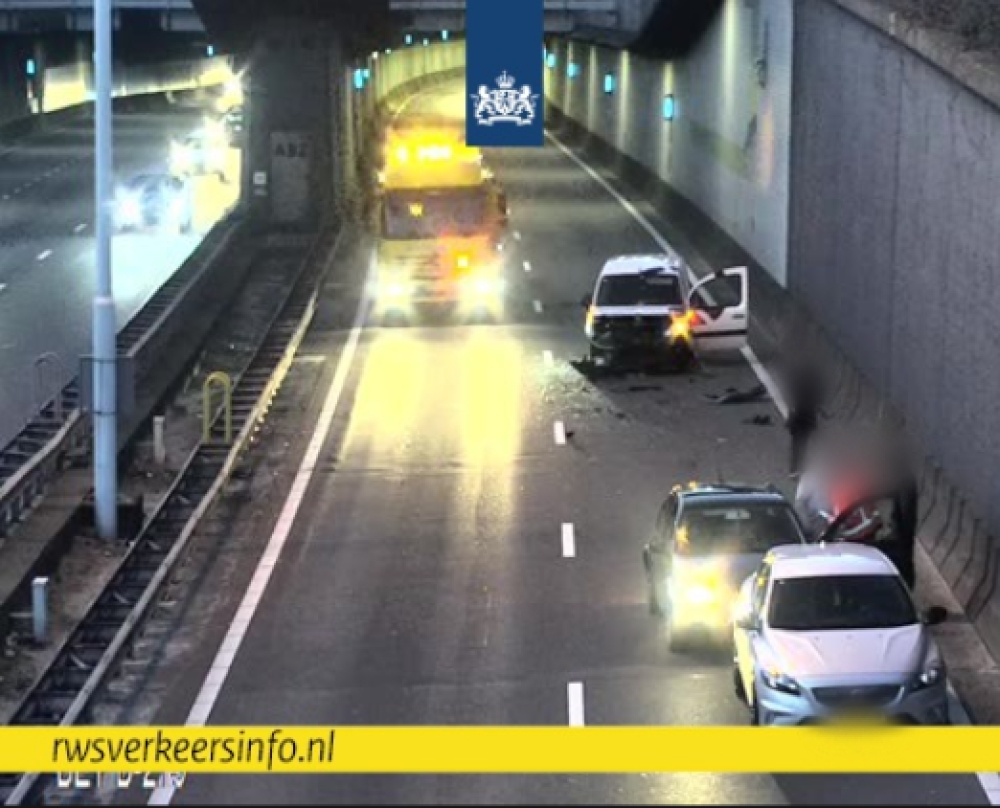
726,151
894,242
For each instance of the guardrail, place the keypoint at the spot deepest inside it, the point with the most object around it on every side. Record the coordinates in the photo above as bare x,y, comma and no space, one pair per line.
42,449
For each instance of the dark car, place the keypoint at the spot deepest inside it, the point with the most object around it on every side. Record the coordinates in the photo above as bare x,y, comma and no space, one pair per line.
154,201
708,538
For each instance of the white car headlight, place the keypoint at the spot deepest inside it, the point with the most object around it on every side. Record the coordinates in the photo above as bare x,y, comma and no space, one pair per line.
931,675
781,682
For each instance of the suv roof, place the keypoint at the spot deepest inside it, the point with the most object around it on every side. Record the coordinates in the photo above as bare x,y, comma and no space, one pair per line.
697,491
634,264
820,560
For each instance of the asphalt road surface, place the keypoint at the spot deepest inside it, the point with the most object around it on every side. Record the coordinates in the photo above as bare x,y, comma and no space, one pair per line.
427,579
47,248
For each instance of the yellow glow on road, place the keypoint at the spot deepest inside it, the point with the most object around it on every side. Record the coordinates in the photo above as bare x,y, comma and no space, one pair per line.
491,397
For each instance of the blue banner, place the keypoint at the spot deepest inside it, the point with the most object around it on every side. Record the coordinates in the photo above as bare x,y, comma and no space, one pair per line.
504,72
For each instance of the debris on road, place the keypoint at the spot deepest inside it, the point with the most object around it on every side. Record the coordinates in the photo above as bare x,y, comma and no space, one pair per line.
734,396
759,420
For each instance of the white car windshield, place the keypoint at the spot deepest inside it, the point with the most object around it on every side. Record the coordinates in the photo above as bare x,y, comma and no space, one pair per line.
840,603
639,290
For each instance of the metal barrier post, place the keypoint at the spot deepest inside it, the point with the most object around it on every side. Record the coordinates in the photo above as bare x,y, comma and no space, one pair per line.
221,379
159,444
39,609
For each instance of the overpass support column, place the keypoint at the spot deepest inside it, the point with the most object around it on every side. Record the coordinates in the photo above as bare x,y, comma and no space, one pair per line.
290,117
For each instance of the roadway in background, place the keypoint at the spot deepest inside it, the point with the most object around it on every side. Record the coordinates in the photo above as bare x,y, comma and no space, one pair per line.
47,250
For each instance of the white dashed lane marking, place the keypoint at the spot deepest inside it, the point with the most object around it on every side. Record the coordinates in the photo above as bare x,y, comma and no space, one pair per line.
568,540
574,697
44,256
559,433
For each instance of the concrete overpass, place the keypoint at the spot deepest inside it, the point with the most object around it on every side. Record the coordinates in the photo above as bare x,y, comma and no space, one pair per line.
77,15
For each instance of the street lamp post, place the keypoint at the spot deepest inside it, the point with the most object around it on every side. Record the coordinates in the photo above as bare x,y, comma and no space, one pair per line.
105,326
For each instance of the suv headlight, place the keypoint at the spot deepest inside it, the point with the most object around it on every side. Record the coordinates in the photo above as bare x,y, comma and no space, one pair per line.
781,682
931,675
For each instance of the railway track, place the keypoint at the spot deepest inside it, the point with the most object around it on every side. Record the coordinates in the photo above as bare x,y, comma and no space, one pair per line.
64,692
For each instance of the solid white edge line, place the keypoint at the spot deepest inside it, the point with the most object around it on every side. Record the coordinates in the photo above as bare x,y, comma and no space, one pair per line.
45,255
989,781
215,679
559,432
574,698
568,540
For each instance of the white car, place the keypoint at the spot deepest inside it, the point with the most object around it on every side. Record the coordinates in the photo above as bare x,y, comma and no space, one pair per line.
644,308
826,632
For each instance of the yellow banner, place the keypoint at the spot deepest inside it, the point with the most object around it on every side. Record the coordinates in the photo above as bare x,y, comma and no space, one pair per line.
446,750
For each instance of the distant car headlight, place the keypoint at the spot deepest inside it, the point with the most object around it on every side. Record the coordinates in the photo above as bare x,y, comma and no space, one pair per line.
781,682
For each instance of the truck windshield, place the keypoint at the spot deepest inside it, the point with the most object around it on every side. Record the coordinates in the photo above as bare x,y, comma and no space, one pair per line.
432,214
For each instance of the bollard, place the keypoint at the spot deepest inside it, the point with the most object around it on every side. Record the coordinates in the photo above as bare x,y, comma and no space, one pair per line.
39,609
159,446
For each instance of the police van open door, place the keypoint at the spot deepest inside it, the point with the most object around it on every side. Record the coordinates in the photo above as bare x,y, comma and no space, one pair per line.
722,305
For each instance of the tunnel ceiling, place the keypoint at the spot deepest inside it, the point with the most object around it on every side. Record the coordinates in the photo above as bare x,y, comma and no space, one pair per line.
364,24
672,29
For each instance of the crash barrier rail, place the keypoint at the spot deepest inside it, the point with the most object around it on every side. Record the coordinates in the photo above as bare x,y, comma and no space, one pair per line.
39,452
61,696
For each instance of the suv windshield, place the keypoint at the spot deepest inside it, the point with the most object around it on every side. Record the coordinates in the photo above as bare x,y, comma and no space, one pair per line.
739,527
432,214
840,603
638,290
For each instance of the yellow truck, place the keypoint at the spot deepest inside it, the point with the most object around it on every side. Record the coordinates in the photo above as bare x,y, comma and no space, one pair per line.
440,220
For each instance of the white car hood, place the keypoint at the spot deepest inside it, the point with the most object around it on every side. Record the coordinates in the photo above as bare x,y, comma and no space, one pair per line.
851,653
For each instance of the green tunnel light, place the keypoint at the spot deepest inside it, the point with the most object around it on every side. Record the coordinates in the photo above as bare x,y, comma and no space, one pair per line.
573,70
551,60
409,39
31,68
445,35
359,79
610,84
